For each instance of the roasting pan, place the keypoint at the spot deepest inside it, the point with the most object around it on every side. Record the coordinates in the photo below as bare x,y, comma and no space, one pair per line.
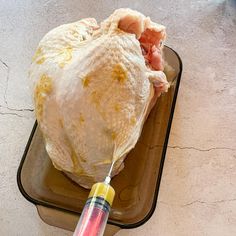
60,201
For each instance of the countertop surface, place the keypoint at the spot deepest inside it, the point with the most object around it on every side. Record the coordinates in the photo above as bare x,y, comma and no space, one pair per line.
198,188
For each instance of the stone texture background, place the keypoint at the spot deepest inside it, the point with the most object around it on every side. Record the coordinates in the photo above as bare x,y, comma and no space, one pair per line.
198,191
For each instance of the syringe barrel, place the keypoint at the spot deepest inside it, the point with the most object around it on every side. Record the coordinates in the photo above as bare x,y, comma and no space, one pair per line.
94,218
96,211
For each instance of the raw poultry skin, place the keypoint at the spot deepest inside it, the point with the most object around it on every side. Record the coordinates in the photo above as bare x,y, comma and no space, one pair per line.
93,89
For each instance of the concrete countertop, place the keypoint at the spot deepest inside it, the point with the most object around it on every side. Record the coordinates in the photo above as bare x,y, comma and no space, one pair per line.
198,191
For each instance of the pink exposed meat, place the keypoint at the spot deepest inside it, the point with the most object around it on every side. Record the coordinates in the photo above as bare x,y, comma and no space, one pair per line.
150,39
151,42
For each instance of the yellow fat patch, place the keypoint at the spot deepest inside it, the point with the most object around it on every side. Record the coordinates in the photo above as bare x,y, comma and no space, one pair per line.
81,119
41,60
42,89
113,135
119,73
117,107
133,120
86,81
77,168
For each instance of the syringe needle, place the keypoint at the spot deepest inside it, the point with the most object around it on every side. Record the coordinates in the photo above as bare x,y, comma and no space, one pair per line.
108,177
112,164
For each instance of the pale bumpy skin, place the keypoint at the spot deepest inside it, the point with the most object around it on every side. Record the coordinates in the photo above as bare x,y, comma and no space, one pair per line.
92,91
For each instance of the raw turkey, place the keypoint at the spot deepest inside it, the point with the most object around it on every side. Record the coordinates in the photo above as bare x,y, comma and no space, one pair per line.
94,86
